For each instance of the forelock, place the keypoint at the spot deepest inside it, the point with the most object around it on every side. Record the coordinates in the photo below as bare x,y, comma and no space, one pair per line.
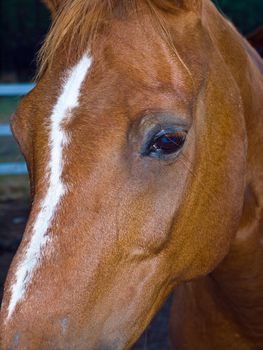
80,21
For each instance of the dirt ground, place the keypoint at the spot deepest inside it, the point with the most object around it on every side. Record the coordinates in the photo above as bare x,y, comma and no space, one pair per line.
13,216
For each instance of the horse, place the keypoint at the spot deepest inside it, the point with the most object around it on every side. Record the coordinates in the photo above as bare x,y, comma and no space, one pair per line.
143,141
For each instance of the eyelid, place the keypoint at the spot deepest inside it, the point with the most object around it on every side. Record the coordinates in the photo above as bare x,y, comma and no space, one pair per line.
168,131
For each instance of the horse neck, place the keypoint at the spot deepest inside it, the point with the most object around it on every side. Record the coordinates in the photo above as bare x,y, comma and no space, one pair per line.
245,65
239,277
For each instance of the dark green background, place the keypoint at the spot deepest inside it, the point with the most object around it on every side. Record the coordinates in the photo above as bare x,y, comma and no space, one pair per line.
25,22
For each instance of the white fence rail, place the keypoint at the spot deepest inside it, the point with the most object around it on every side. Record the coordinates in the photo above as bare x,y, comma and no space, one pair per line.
8,90
5,130
16,168
15,89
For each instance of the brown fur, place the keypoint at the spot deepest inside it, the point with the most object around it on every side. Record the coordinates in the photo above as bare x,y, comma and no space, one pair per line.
131,229
82,20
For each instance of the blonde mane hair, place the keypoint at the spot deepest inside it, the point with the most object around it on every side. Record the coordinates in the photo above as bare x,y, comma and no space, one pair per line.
80,21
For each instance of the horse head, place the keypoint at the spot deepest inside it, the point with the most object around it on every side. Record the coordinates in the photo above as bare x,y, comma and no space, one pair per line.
135,142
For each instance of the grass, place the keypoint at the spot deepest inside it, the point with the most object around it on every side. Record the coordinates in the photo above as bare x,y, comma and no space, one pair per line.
7,107
9,150
11,186
14,187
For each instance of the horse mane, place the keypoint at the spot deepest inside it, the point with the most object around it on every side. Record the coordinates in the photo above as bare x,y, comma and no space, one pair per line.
81,20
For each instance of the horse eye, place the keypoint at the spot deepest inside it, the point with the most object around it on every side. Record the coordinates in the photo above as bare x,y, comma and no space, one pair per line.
166,142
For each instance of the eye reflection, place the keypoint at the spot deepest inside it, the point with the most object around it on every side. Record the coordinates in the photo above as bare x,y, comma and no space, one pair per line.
166,142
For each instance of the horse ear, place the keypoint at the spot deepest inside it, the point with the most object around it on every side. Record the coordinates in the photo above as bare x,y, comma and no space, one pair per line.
54,5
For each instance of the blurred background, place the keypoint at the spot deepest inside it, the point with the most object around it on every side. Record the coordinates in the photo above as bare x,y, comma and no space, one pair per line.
23,25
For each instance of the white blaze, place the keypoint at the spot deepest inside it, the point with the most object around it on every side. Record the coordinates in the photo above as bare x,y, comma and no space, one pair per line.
68,99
